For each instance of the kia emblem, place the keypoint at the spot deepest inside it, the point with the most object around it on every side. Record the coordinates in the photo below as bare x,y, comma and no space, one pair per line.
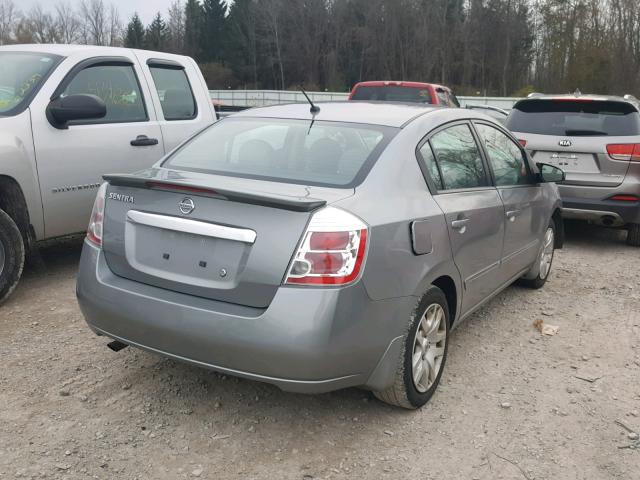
565,143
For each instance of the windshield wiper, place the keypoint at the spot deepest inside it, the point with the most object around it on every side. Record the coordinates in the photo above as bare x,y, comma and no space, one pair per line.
585,133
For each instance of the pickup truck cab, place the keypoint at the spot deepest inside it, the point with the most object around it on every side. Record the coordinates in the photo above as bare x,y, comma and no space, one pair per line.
71,113
404,92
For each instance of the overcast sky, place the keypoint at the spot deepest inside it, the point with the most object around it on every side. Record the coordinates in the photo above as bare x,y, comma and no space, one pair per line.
145,8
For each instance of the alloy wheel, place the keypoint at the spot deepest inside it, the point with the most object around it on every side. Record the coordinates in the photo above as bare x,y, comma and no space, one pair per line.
428,348
546,257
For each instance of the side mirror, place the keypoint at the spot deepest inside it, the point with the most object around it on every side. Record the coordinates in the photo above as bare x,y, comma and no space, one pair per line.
63,110
550,174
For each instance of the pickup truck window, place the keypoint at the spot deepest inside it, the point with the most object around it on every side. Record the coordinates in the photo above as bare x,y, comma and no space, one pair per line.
117,86
174,90
21,76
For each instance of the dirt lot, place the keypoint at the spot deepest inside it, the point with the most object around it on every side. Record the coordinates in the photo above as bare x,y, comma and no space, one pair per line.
511,405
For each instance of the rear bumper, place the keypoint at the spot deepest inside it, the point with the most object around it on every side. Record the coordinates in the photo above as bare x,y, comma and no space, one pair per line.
591,203
308,340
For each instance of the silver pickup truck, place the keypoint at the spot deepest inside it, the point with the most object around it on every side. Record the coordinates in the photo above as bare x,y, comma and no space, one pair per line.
68,115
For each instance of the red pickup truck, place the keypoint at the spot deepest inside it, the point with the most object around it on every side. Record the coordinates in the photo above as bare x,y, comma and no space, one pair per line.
414,92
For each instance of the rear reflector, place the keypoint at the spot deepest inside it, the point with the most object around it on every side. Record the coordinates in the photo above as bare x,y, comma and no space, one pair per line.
624,151
332,251
624,198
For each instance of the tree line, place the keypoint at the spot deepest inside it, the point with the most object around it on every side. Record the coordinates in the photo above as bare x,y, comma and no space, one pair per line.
487,47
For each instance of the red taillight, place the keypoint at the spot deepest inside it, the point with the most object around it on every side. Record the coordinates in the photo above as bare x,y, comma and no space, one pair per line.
522,142
332,252
624,151
96,221
624,198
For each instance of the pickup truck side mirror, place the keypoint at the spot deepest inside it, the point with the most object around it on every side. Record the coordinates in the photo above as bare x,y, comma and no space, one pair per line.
63,110
550,174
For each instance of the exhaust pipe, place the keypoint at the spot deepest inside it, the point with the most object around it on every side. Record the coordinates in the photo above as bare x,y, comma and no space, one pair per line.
116,346
608,220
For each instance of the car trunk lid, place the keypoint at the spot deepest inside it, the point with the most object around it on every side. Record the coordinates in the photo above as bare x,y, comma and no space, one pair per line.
181,232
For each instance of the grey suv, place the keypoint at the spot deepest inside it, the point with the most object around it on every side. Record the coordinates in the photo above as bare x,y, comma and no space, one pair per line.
317,250
596,141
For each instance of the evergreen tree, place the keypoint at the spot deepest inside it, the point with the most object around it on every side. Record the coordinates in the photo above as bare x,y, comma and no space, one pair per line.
134,37
212,35
193,15
157,34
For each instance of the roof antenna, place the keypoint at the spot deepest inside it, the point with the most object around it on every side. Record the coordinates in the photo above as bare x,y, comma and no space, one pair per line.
314,108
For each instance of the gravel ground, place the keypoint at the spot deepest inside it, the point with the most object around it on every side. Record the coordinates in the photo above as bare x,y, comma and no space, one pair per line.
511,405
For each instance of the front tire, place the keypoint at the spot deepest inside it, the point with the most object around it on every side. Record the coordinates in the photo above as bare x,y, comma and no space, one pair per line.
633,235
11,255
542,267
423,354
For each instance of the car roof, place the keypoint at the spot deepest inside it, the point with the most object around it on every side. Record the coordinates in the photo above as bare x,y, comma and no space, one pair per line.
571,96
371,113
66,50
398,83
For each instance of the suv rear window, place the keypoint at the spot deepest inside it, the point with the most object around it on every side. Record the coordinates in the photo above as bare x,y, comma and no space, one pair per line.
321,153
574,118
393,94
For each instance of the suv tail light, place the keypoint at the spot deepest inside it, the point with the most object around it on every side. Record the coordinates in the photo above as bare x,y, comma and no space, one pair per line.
94,232
332,251
624,151
522,142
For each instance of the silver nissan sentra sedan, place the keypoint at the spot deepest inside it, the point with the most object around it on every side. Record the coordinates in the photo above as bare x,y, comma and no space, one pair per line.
320,249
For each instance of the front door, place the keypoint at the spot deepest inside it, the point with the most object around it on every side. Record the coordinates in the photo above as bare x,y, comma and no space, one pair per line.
71,161
472,208
521,195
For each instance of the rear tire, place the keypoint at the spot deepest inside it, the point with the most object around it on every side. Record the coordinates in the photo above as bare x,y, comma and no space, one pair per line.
428,351
544,261
11,255
633,235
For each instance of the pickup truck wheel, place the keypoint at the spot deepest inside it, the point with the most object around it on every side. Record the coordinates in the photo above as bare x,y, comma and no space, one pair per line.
423,354
11,255
633,235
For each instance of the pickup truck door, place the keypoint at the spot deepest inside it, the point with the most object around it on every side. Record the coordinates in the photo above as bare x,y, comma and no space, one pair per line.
179,94
71,161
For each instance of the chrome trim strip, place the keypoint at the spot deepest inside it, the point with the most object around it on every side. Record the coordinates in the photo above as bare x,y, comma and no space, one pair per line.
192,226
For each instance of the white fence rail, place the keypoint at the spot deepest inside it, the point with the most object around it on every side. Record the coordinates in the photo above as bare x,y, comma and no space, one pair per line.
261,98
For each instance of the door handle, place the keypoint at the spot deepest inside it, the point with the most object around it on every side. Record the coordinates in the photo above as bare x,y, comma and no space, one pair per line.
460,224
512,214
144,141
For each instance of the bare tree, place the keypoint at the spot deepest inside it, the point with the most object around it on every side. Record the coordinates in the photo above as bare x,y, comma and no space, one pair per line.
9,16
67,23
114,33
175,23
42,25
94,14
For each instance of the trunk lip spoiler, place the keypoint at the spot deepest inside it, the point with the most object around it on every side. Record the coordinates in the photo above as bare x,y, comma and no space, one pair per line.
295,204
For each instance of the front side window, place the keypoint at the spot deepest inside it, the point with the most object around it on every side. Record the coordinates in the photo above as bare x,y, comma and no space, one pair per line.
21,76
459,158
291,151
505,157
175,93
117,86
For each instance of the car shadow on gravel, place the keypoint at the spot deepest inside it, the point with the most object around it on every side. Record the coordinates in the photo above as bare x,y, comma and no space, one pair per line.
584,234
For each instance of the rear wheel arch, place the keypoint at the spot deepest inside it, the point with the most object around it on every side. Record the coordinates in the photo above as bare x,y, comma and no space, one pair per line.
448,286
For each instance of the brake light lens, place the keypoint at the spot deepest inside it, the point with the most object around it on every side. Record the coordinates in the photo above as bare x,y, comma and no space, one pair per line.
96,221
522,142
332,252
624,198
624,151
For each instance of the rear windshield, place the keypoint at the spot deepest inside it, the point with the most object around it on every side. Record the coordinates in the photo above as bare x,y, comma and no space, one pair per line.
575,118
293,151
393,94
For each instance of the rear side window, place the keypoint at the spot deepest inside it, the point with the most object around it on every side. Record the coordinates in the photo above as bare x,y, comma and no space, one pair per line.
393,93
117,86
458,158
174,90
567,118
292,151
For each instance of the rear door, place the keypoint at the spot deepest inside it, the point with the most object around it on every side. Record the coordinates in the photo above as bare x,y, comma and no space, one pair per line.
525,216
179,94
472,208
573,135
71,161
